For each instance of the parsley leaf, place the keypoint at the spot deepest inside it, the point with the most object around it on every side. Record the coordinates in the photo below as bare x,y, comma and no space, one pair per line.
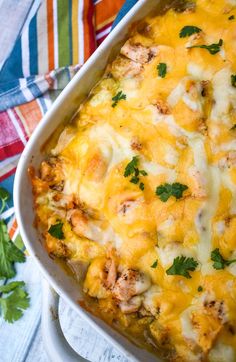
11,286
4,196
219,261
233,80
231,17
118,97
166,190
162,69
181,266
141,186
132,170
200,289
154,265
56,231
9,253
212,48
132,165
188,30
233,127
13,305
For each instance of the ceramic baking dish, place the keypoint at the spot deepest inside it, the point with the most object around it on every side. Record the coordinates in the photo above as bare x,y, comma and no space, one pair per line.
62,110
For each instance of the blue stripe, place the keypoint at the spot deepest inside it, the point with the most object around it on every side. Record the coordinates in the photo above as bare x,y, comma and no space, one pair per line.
32,85
43,104
12,68
123,11
33,46
8,185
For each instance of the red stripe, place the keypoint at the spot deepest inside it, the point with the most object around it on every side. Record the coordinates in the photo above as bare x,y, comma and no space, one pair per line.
11,149
8,174
20,124
92,41
104,28
99,41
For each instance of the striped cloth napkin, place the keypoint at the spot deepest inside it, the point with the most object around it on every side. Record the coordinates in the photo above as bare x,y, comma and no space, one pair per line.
42,49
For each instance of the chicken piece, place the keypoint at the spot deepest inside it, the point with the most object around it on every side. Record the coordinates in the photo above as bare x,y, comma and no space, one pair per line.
130,283
162,107
124,68
110,268
137,52
136,144
79,221
132,305
51,172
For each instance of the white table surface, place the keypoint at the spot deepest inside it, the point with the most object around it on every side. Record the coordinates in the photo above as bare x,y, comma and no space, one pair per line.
22,341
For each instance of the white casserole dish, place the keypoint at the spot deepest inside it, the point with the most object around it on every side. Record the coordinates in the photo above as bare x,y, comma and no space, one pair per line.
62,110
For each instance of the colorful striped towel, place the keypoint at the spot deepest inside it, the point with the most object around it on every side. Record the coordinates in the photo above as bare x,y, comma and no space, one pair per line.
42,49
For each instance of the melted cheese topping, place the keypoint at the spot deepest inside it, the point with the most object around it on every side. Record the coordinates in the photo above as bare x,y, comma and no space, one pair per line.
123,237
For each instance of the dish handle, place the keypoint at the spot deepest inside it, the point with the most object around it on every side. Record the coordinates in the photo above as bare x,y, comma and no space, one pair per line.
55,343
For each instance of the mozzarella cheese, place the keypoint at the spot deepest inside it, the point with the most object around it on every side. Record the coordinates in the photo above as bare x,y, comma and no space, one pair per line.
136,131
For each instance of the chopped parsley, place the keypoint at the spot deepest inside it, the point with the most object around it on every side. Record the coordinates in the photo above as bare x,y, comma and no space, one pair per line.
181,266
133,171
212,48
162,69
231,17
200,289
166,190
219,261
233,80
56,231
189,30
154,265
141,186
118,97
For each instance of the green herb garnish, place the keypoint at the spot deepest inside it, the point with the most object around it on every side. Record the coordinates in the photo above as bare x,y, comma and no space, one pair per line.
231,17
189,30
133,171
162,69
4,196
200,289
56,231
15,303
213,48
219,261
181,266
9,253
233,80
154,265
141,186
166,190
118,97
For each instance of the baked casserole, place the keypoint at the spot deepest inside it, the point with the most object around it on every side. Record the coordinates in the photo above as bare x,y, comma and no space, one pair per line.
137,193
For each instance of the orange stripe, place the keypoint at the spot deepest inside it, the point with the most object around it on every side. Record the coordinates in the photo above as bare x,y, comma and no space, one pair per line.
50,34
106,10
30,114
13,229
